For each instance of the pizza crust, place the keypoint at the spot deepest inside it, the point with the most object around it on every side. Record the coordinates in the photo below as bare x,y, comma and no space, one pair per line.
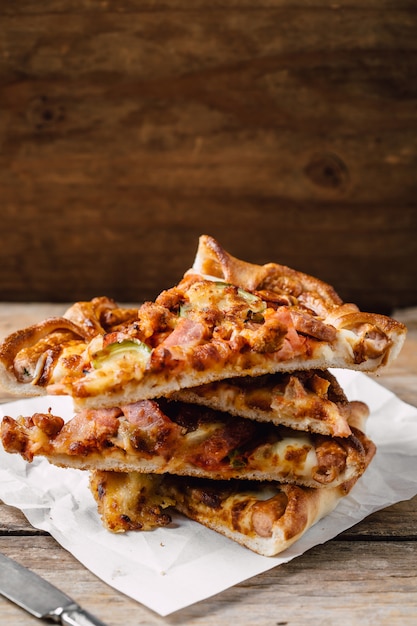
214,261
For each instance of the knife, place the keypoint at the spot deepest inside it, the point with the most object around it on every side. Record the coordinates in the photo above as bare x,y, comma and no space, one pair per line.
40,598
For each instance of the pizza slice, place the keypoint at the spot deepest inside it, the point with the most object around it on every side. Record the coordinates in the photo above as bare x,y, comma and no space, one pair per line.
225,319
266,518
310,400
163,436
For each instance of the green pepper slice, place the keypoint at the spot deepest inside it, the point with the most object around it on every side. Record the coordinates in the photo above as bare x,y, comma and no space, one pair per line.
118,349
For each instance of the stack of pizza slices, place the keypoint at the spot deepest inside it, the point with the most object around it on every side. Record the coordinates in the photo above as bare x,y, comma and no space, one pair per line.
215,399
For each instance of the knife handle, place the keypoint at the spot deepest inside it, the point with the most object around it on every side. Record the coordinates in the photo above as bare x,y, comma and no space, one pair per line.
74,615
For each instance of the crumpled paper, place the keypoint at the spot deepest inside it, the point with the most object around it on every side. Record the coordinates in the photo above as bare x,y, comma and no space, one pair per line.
172,567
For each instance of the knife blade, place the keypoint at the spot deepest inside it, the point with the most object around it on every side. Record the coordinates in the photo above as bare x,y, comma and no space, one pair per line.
39,598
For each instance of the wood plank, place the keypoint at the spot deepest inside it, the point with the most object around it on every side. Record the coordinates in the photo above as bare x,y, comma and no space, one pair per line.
132,255
187,101
296,121
13,522
133,6
381,591
45,557
396,522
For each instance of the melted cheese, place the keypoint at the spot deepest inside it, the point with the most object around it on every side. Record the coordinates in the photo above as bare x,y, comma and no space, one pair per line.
69,351
130,501
294,454
124,363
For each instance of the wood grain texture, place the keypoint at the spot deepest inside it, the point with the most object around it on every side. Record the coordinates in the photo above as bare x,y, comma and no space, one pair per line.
326,585
286,130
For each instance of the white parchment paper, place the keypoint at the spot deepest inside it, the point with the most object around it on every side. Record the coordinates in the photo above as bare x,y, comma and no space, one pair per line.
173,567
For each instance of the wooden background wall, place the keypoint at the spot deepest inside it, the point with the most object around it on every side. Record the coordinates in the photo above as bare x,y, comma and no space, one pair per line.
286,129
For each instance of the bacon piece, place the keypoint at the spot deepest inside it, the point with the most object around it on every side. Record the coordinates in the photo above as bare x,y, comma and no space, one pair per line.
150,430
187,333
223,434
293,344
211,453
88,431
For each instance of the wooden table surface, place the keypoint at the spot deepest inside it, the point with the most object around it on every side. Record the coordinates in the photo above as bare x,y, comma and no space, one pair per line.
366,575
